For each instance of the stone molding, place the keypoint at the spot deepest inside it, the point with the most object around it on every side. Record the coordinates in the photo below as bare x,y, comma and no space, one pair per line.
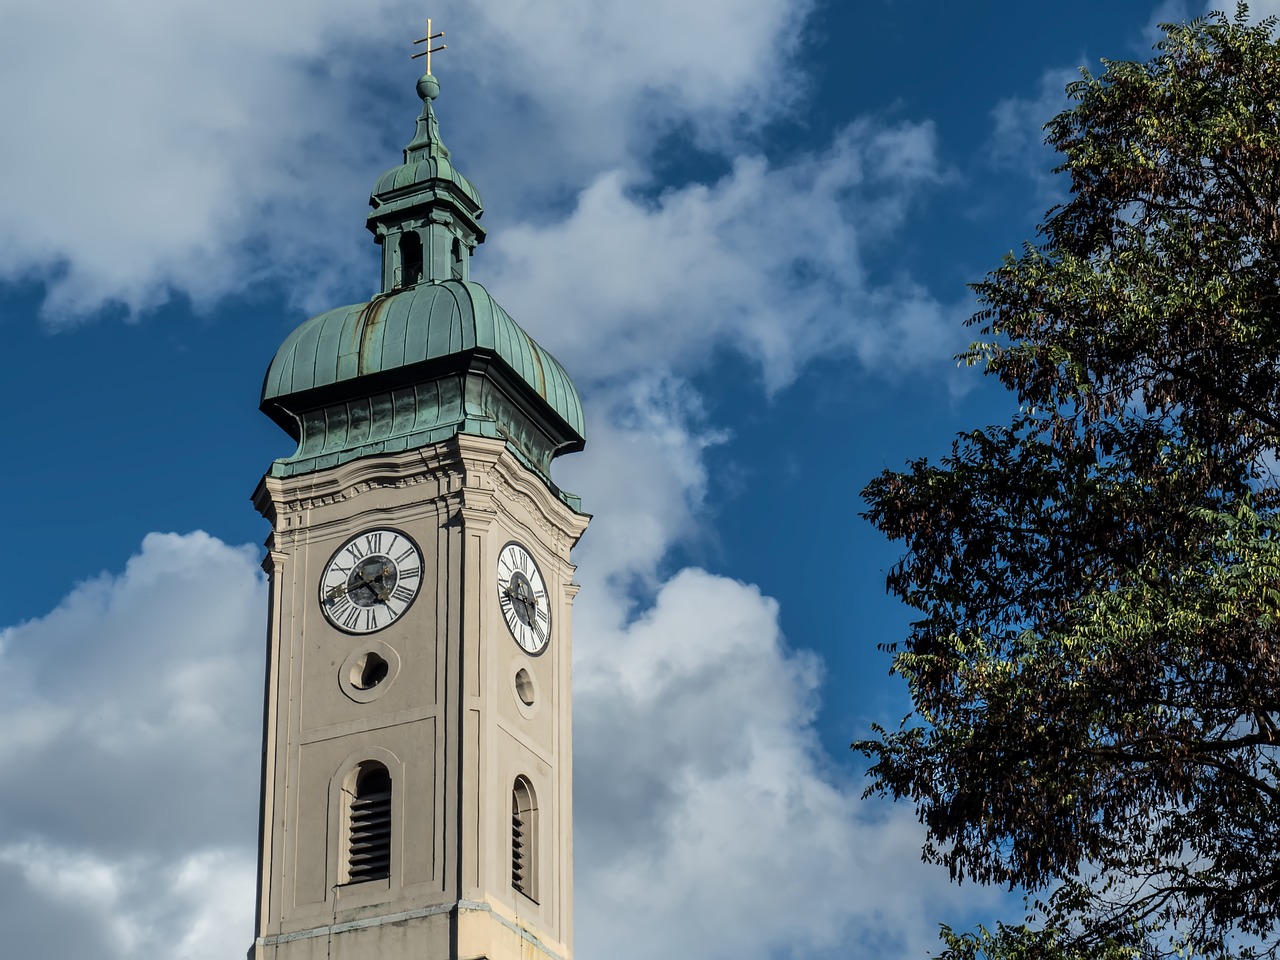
462,906
466,470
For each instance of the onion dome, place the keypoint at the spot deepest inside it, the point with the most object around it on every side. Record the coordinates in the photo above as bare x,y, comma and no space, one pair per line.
431,355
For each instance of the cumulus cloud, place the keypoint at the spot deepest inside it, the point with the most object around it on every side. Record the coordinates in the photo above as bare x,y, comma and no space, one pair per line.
604,84
132,709
707,821
152,139
167,150
655,426
1177,11
68,903
161,149
1258,9
766,262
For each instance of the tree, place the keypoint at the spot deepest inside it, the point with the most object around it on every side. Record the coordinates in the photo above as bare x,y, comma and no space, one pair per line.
1095,670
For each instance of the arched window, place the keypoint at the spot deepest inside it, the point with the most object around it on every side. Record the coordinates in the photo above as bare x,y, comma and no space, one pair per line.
369,832
410,258
524,839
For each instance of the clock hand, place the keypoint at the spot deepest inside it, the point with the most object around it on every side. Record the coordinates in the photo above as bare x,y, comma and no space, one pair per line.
517,596
382,589
376,580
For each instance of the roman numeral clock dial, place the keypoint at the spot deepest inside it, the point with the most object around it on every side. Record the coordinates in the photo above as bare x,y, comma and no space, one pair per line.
522,594
370,581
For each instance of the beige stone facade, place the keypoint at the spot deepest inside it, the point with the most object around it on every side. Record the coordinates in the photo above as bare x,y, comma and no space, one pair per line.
459,715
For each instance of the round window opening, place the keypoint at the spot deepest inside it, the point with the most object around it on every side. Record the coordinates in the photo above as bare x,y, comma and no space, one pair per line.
368,671
524,687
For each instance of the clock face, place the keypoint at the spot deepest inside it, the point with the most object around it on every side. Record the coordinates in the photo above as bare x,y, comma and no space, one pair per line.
370,581
522,593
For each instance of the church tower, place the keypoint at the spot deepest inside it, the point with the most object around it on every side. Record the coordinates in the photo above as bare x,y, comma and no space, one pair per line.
417,754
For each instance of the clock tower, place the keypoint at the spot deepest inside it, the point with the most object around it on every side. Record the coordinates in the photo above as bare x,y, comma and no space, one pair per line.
417,753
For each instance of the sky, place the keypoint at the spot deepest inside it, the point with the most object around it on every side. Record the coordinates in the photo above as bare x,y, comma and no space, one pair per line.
745,229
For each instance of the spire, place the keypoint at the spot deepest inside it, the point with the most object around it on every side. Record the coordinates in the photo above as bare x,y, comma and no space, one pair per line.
425,212
426,140
431,355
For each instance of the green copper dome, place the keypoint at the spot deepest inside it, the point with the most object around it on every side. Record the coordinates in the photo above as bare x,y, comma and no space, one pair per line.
427,322
409,177
465,364
426,165
432,355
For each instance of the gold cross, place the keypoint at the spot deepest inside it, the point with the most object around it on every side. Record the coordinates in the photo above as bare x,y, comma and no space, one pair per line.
430,49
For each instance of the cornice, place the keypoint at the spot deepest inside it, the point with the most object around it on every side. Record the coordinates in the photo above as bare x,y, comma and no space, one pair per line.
517,484
464,469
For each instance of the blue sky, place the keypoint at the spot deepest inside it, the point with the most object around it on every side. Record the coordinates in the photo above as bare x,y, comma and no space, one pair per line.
744,228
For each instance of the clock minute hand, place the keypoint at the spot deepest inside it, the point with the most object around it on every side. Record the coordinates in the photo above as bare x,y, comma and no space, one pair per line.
517,596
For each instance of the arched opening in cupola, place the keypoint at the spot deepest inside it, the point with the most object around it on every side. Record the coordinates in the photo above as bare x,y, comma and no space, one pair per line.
410,258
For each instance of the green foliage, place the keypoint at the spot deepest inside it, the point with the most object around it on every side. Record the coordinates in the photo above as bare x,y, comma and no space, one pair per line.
1095,670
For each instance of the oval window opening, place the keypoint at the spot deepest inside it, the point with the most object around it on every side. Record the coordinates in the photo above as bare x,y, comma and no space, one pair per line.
524,687
369,671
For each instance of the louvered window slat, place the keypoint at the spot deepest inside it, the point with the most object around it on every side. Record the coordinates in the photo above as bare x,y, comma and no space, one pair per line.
523,839
369,843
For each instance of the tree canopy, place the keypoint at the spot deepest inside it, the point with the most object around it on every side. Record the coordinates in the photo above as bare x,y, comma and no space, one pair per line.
1095,667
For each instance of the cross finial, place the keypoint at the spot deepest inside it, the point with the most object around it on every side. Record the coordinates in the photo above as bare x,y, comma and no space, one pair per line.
430,49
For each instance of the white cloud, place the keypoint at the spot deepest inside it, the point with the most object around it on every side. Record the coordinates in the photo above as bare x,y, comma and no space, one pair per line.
213,885
607,81
167,150
151,138
654,426
191,908
173,148
766,262
708,822
1258,9
1017,141
119,685
130,725
1018,135
1178,11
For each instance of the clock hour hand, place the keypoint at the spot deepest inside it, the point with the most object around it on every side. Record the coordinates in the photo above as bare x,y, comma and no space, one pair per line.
388,579
518,596
377,582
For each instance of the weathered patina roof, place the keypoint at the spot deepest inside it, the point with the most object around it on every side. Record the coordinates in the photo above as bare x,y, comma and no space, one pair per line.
422,323
427,164
402,179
